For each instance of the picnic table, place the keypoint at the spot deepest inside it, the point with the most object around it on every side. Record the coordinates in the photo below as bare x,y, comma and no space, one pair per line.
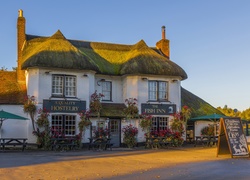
64,143
100,143
13,142
205,140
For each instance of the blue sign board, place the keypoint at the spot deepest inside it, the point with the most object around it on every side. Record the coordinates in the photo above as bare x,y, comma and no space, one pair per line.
158,109
64,106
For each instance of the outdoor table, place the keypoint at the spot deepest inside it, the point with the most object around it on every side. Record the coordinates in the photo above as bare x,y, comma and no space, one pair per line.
100,143
13,142
205,140
63,143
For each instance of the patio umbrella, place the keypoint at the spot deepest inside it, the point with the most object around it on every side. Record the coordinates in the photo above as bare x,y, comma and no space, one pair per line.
6,115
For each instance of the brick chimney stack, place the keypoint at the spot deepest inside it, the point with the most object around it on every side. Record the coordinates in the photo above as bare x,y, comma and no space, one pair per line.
163,44
21,38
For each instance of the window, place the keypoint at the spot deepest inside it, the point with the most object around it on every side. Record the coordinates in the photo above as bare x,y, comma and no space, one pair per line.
106,91
157,90
159,123
63,86
64,124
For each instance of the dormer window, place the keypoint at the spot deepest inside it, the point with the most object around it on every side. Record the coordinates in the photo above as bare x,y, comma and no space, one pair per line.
157,90
64,86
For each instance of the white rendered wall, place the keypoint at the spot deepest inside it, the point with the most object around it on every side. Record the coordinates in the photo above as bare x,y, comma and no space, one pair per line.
13,128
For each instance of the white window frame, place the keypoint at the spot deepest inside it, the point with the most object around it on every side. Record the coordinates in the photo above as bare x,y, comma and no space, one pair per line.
159,123
64,85
64,123
107,90
157,91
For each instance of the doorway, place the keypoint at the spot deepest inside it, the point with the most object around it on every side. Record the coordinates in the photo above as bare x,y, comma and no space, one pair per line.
115,133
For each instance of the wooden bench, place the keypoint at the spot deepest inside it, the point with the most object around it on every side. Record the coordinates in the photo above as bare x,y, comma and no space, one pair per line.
67,143
20,142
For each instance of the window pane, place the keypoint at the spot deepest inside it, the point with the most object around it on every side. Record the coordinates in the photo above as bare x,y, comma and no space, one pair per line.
162,90
106,91
70,125
57,85
57,125
70,86
154,124
152,86
163,122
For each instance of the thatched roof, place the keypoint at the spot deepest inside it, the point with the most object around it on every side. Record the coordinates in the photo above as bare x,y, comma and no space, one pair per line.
10,91
104,58
143,60
198,106
57,52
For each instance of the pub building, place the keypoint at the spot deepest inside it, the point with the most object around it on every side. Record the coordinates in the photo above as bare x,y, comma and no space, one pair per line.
62,74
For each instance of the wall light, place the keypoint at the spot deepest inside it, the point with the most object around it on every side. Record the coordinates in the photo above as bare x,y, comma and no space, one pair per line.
47,72
101,80
144,79
85,75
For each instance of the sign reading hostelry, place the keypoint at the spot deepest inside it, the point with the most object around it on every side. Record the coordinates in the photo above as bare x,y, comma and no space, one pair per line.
64,106
158,109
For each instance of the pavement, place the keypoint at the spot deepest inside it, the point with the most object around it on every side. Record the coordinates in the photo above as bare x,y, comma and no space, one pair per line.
186,162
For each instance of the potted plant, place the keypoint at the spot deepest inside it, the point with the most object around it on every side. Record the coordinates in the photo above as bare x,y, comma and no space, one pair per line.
129,135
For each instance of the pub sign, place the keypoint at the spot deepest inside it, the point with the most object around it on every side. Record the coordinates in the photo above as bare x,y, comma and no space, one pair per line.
158,109
64,106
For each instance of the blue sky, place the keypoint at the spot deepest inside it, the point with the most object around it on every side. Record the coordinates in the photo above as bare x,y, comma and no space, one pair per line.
209,39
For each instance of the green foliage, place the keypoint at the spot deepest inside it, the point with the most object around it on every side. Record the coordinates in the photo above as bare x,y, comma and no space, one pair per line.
101,133
43,132
208,130
145,122
30,108
95,102
227,111
84,122
131,111
129,135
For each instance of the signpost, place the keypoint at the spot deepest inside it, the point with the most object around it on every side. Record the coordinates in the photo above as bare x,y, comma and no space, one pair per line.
231,138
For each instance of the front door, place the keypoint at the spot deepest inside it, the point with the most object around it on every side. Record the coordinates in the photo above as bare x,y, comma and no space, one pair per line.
115,132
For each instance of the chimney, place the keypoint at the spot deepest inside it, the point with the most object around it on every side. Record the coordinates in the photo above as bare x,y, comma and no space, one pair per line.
21,38
163,44
163,32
